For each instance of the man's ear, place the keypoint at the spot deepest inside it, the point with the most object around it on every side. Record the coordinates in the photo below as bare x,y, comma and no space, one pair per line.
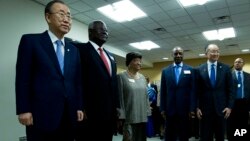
47,17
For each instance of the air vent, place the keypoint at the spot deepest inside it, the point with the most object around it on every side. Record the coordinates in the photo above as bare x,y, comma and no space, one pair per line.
222,19
160,30
186,50
232,45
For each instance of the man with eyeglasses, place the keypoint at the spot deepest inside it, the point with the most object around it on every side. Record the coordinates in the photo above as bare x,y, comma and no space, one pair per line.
215,95
241,110
177,97
48,84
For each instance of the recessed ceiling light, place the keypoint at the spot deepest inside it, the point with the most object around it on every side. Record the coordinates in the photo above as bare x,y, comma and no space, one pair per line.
165,58
122,11
220,34
202,54
186,3
245,50
144,45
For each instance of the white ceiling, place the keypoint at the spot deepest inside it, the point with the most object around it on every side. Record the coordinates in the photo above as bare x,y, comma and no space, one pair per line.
183,26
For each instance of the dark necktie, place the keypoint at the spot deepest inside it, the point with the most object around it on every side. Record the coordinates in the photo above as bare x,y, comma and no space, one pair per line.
59,54
104,59
177,73
212,75
239,89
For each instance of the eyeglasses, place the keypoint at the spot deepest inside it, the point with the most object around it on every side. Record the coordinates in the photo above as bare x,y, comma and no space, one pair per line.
63,15
214,52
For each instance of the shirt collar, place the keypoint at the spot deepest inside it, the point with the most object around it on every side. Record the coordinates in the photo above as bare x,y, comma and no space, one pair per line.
209,63
236,71
180,65
94,45
54,38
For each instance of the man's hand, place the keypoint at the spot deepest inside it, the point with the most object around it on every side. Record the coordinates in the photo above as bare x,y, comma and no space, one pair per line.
163,114
80,115
199,113
192,115
26,119
227,112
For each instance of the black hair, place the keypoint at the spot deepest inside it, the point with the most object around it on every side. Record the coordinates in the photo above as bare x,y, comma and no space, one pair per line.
132,55
50,4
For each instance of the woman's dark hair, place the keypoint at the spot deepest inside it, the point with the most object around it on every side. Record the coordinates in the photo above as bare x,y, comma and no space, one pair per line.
132,55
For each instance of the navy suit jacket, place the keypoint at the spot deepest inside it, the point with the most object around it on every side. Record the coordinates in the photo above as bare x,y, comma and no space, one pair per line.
41,88
177,98
214,99
100,92
246,84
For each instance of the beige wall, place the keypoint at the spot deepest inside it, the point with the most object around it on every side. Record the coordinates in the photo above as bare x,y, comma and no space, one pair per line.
155,72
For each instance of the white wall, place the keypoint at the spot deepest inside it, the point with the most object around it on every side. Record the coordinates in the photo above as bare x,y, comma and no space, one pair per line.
19,17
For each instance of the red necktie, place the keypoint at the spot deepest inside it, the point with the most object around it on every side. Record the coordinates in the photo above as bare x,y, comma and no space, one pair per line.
104,59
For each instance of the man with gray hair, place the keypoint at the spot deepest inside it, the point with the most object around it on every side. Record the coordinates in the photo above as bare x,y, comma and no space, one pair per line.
100,92
215,95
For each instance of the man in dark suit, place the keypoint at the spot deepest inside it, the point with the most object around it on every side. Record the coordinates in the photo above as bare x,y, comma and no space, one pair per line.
177,97
100,95
240,112
48,89
215,95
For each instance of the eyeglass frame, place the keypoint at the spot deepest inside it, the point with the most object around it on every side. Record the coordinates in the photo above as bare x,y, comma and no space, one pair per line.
213,51
62,15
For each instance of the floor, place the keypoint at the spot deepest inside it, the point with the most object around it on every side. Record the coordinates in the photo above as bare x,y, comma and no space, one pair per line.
119,138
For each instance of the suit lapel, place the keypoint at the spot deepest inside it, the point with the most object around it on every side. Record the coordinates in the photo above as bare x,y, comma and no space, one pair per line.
67,57
173,74
204,74
234,77
181,74
219,73
112,62
49,48
98,59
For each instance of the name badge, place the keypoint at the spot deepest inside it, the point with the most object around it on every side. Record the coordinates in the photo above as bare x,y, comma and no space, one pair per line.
131,80
187,72
239,85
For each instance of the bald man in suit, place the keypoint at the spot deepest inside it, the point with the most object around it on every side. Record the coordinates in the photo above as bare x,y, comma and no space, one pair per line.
215,95
241,110
100,91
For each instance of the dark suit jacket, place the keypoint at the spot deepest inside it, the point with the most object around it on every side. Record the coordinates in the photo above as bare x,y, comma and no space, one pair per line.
246,78
100,89
215,99
177,98
41,88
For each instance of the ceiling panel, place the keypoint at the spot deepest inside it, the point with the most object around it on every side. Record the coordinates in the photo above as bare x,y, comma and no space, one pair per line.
169,24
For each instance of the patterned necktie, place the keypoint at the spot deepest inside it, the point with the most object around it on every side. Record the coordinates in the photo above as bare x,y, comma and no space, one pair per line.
239,89
104,59
59,54
212,75
177,73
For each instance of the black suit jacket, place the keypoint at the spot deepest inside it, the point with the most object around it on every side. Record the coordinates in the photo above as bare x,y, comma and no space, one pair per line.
246,84
178,98
100,94
215,99
41,88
